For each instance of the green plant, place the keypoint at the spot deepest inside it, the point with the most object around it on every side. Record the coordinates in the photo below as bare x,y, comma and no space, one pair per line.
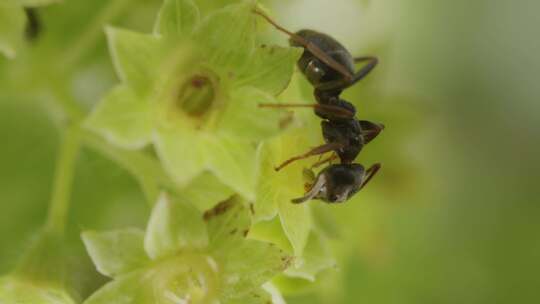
184,122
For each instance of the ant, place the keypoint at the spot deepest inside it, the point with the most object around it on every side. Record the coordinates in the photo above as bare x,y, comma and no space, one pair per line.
329,67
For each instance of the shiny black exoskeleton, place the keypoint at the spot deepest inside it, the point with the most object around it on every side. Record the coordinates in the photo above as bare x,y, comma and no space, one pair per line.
330,68
337,183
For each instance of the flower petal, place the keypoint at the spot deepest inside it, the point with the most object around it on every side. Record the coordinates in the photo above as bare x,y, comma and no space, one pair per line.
177,18
228,222
227,37
123,118
243,118
181,152
249,265
116,252
173,226
234,162
136,57
269,69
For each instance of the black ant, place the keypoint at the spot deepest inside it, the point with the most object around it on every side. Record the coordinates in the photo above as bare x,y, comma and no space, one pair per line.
329,67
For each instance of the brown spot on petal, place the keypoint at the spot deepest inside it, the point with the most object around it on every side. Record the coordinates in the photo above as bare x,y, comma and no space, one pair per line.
219,209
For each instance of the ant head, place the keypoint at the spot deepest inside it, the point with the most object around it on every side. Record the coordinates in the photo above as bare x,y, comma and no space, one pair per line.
306,34
370,130
335,184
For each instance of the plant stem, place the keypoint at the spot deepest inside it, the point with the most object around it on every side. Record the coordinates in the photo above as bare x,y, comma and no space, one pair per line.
63,179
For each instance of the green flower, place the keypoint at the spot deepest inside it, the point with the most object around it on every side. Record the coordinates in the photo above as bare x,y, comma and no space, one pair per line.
185,255
12,22
192,88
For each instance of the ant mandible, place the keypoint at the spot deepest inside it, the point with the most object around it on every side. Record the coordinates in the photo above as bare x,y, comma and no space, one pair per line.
329,67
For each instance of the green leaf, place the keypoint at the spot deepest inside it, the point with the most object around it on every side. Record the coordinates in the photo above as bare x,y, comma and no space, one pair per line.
244,119
250,264
18,290
181,153
174,226
228,222
177,18
233,161
136,57
116,252
228,37
12,21
34,3
270,68
123,118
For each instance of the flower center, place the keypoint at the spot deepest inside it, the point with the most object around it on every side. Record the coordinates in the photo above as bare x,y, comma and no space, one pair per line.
196,96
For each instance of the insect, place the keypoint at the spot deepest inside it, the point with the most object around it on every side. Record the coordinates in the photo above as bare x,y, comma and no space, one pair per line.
329,67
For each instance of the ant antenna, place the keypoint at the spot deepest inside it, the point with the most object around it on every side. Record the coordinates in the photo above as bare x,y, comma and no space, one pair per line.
309,46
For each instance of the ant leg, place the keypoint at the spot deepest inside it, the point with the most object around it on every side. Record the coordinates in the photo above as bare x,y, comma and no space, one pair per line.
364,58
316,51
315,151
370,173
370,130
342,84
324,161
330,109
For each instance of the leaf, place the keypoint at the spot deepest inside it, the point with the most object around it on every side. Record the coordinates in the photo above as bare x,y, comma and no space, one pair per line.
249,265
181,153
116,252
233,162
228,222
243,118
123,118
18,290
177,18
136,57
270,68
174,226
12,22
228,51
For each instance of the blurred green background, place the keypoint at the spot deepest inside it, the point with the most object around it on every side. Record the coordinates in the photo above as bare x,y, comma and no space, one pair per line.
453,217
